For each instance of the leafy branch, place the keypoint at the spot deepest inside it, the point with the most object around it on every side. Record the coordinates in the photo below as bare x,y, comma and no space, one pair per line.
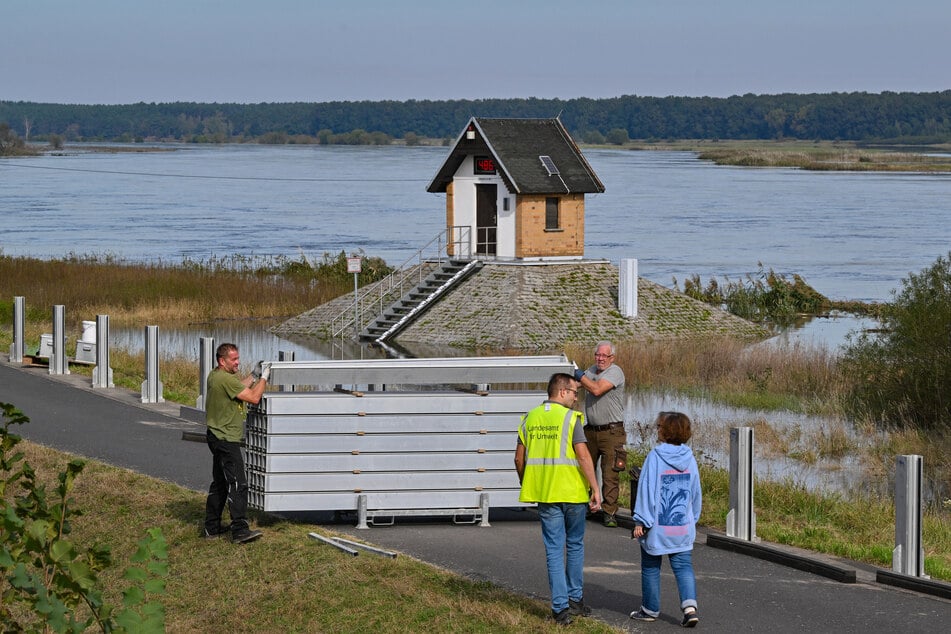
47,578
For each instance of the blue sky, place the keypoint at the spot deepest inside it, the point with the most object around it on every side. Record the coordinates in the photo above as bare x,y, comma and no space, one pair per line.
249,51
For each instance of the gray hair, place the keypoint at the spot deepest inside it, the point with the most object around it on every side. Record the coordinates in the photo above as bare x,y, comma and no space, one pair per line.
605,343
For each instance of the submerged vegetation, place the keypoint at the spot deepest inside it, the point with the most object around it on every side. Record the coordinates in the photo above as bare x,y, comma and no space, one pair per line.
766,296
825,157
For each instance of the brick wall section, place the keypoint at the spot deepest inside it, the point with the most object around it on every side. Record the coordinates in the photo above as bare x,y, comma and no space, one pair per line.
542,307
533,240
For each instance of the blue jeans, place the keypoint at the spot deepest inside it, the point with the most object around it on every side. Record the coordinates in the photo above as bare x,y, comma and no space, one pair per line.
682,565
563,534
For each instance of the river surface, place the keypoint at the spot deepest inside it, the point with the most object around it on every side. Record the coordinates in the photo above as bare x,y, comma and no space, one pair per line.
850,235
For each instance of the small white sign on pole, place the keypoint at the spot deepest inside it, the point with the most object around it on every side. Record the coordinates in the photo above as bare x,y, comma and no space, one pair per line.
354,266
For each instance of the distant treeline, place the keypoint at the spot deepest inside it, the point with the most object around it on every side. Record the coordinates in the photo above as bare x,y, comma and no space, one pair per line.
859,116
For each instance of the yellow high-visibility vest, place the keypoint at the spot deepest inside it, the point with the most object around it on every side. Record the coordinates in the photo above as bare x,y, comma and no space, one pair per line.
552,473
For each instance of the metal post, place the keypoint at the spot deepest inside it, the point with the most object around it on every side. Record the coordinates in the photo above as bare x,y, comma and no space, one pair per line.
362,512
908,558
152,386
741,519
17,347
354,265
356,310
484,508
58,362
102,373
284,355
627,287
206,363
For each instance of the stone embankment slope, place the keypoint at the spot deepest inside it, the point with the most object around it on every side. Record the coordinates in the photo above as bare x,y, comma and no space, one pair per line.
542,306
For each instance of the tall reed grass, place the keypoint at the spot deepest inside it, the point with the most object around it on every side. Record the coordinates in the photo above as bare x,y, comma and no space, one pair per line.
797,377
166,294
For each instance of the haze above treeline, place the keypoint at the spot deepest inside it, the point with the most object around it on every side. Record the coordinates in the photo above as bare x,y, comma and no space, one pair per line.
888,117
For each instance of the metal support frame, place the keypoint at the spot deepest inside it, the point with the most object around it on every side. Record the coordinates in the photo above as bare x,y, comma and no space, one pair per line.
19,318
285,355
908,557
741,519
59,364
206,363
367,518
152,386
102,373
352,548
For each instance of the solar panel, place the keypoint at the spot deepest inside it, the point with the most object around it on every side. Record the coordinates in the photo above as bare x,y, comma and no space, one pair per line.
549,165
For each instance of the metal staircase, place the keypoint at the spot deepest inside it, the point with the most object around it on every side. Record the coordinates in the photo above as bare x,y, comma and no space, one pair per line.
373,299
410,306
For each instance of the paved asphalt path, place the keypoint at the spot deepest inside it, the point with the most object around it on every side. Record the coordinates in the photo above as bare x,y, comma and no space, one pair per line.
737,593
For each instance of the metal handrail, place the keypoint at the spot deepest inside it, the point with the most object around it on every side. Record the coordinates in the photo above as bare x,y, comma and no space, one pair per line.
454,242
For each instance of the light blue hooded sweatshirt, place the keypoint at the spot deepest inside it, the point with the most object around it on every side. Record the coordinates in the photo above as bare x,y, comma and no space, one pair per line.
668,499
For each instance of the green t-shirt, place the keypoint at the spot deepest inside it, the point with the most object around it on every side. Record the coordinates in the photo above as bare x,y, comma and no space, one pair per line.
224,412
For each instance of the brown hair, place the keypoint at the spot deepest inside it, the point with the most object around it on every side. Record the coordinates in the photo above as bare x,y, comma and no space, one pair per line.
559,381
673,428
224,350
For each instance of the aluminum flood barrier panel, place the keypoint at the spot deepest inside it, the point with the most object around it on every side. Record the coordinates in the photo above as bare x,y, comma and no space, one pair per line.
435,371
417,446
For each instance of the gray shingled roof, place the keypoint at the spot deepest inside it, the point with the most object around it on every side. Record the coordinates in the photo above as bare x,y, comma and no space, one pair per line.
517,145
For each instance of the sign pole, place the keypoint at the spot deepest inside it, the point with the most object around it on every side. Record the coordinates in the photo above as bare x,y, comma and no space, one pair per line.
353,266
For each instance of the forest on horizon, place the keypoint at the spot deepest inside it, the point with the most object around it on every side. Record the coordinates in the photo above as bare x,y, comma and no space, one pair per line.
888,117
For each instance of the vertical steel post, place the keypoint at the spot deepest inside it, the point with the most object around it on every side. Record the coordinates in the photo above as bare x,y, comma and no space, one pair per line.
362,512
908,558
152,386
58,362
627,287
356,310
206,363
102,373
741,519
484,509
19,316
285,355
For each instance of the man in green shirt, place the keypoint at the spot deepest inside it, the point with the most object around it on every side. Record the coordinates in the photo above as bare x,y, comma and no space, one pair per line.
225,399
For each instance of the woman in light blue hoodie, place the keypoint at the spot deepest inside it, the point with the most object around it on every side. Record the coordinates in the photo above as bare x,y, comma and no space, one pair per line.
665,517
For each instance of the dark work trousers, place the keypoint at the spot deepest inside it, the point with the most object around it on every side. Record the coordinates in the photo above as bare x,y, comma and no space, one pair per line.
229,485
601,446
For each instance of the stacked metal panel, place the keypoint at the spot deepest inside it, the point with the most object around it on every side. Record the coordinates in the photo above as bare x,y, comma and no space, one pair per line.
402,450
406,434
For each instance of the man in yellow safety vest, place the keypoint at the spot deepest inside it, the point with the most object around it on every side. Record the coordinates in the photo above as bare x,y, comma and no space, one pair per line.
556,471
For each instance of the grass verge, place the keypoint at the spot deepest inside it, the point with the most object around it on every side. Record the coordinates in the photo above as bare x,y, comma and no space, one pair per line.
285,582
860,528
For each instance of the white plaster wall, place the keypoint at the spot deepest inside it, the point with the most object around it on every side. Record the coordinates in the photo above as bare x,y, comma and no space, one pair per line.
464,201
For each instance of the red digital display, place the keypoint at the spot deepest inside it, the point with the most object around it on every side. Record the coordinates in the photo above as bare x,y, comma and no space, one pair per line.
484,165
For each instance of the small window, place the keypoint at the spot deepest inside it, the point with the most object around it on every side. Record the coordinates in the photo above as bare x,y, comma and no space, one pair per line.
505,204
552,220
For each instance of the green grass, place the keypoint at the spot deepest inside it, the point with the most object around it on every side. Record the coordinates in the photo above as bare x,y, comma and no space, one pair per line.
859,528
285,582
